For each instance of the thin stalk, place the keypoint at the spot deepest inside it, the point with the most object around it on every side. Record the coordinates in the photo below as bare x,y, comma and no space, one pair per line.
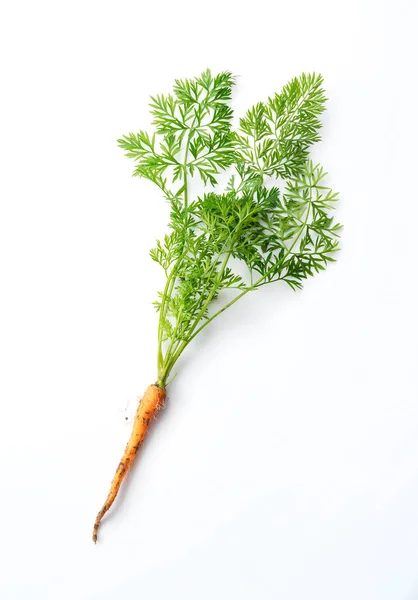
172,277
169,363
257,284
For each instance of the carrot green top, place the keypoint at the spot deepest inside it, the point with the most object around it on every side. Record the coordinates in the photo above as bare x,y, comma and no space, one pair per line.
273,215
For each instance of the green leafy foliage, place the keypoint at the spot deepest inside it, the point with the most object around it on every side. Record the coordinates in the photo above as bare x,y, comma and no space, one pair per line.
193,131
274,215
276,135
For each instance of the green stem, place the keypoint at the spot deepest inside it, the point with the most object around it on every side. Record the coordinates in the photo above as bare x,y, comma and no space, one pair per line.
170,277
258,283
170,361
173,274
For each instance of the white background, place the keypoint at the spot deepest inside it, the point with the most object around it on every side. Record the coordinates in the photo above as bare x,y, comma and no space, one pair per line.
286,463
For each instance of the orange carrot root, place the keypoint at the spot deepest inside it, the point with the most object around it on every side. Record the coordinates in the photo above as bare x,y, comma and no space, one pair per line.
150,404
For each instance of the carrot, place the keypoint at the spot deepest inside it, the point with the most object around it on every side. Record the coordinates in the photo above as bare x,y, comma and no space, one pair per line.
274,234
148,407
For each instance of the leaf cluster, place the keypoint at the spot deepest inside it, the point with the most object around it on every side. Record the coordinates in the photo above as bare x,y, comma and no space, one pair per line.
275,136
273,216
192,132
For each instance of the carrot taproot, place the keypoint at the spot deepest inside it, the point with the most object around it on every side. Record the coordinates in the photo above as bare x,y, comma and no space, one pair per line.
148,407
267,230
